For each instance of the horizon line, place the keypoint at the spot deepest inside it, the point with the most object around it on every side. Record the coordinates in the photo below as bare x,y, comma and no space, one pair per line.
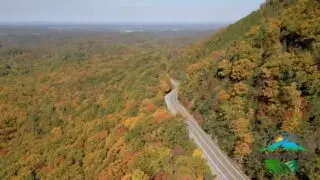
111,23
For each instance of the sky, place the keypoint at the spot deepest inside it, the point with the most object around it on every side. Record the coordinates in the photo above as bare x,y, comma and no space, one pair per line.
130,11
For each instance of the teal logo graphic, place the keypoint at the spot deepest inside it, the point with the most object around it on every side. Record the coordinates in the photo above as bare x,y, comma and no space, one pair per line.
281,154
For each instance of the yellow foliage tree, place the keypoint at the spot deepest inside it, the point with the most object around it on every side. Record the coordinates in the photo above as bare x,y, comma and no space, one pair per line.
165,84
224,68
223,95
243,145
136,175
270,89
242,69
197,153
239,89
293,117
240,126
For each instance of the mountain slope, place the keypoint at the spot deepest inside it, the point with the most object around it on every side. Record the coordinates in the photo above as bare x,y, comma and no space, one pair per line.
245,87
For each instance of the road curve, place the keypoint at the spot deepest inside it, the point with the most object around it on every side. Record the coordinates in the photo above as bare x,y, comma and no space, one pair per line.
220,164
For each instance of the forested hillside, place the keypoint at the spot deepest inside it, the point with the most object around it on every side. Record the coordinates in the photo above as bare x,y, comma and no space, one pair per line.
90,106
258,77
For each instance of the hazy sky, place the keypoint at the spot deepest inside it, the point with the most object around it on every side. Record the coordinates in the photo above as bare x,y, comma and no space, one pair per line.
126,10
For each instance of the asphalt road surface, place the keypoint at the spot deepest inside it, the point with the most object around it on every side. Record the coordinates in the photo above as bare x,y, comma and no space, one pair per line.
220,164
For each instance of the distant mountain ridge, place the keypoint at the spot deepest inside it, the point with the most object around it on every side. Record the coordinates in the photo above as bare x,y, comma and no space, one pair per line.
129,27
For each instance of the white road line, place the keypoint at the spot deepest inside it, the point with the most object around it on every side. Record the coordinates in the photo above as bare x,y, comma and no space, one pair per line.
192,122
214,153
210,147
205,150
209,159
222,154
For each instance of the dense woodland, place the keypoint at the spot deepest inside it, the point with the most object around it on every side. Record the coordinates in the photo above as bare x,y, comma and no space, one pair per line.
77,105
84,105
258,77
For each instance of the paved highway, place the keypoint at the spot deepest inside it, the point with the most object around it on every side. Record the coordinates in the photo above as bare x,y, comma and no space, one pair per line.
220,164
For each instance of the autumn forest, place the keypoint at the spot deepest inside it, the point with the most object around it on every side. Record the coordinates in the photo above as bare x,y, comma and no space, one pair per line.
90,105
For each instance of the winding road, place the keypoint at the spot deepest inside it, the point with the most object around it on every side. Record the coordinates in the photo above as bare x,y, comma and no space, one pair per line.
220,164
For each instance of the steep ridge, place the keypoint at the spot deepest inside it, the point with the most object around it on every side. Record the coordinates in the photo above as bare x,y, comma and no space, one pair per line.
247,86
